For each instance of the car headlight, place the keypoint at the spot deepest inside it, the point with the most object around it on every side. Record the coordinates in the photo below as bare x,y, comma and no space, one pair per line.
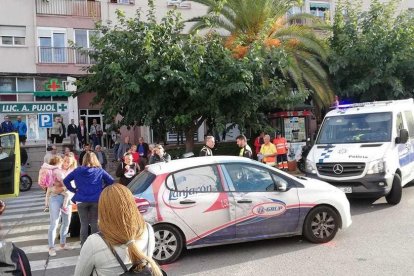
376,166
310,167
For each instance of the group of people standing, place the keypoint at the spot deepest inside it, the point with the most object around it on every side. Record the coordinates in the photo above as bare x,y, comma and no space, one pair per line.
18,126
105,207
272,153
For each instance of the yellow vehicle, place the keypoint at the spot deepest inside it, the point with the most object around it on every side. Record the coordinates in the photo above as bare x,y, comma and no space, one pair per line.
9,165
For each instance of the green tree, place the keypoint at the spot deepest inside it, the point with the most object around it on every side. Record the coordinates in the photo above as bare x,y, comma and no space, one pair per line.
265,20
372,52
150,73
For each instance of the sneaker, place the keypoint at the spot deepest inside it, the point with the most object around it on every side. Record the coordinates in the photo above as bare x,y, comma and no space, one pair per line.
46,210
66,247
64,210
52,252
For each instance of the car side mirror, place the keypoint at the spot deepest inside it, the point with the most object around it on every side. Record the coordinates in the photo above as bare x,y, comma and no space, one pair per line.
281,186
403,137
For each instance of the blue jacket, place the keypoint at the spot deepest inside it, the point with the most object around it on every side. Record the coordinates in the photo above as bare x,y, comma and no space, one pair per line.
7,127
20,127
89,183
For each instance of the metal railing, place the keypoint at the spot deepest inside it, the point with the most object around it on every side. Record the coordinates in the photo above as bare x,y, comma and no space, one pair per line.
69,7
62,55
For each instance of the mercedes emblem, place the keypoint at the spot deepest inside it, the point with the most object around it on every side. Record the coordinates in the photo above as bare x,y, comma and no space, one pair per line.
338,169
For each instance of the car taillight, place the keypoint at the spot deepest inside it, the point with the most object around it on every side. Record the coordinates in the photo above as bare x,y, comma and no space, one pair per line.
142,204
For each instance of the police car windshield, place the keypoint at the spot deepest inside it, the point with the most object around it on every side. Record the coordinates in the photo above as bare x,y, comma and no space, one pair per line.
356,128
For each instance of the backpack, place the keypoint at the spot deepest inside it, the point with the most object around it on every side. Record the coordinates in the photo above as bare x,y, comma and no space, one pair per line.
46,178
13,260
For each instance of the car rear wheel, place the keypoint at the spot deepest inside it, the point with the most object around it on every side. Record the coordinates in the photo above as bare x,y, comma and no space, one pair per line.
394,196
168,243
321,224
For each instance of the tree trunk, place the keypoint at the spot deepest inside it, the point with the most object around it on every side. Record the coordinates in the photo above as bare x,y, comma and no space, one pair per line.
189,139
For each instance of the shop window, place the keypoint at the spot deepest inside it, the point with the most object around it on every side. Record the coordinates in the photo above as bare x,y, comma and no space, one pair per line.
7,84
8,98
25,84
12,35
94,112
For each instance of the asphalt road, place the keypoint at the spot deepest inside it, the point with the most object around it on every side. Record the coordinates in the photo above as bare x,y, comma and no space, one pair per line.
379,242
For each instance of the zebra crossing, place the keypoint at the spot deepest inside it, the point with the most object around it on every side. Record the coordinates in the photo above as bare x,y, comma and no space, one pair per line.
25,224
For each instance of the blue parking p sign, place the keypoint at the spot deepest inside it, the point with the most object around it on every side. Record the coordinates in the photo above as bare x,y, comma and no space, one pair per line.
45,120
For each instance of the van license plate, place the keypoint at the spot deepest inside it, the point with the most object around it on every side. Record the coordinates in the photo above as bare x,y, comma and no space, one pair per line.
346,190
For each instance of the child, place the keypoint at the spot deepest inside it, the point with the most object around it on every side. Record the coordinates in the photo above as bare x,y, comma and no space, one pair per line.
55,170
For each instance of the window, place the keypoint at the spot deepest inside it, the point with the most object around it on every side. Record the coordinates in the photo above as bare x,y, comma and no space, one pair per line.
123,2
8,98
83,39
249,178
141,182
320,9
410,122
7,84
52,45
25,84
12,35
198,180
400,123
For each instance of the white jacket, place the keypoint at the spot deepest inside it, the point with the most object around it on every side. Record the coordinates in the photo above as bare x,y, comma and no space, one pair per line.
96,257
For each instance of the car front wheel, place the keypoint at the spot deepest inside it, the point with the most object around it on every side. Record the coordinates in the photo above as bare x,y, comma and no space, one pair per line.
321,224
169,243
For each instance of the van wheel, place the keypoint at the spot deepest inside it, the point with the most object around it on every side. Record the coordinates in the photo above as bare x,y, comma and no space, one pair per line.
394,196
321,224
168,243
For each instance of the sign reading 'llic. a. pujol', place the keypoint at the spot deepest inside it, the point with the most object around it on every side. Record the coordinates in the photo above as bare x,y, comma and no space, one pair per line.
33,107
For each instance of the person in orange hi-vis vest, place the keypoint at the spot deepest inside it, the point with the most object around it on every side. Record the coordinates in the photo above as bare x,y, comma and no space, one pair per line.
281,148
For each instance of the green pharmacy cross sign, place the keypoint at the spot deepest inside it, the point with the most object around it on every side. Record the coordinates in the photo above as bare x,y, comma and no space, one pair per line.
53,85
33,107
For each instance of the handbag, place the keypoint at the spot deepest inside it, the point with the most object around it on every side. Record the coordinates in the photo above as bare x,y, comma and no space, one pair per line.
145,271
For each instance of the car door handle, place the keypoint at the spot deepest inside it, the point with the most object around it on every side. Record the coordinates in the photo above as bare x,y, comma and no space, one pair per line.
187,202
244,201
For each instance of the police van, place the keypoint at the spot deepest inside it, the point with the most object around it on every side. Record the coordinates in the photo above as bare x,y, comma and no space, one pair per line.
366,149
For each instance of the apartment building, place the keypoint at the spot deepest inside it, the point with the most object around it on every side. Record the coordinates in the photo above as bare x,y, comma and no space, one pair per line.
39,63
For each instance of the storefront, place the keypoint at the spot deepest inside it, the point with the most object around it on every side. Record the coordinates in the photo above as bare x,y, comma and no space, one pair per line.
52,97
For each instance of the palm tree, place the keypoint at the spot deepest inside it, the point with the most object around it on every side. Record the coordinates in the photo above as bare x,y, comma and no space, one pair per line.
248,21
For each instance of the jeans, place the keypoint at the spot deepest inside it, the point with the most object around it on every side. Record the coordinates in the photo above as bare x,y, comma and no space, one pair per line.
88,215
96,140
55,203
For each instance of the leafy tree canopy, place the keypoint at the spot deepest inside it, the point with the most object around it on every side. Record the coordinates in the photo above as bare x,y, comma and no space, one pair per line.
150,73
372,52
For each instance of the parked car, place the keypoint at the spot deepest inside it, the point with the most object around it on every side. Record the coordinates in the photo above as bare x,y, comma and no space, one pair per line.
223,199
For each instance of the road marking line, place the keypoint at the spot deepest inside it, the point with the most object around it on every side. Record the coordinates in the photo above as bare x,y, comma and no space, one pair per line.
23,228
45,248
28,238
24,222
54,263
20,216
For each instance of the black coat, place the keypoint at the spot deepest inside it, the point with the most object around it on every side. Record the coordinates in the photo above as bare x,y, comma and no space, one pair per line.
72,129
82,136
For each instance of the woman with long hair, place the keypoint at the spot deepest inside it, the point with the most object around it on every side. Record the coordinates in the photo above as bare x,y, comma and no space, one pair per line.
88,181
124,232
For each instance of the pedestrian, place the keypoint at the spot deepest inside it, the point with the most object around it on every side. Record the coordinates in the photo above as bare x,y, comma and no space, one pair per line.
116,137
82,132
207,149
124,232
123,148
151,152
69,152
7,125
245,150
160,155
127,169
59,204
89,180
101,156
86,149
63,134
282,149
143,150
95,133
51,151
21,129
56,131
135,155
258,142
268,152
72,132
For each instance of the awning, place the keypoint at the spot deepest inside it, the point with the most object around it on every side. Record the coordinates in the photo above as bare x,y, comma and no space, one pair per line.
319,5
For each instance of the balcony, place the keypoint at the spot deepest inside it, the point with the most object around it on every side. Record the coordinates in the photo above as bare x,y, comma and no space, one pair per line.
62,55
80,8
